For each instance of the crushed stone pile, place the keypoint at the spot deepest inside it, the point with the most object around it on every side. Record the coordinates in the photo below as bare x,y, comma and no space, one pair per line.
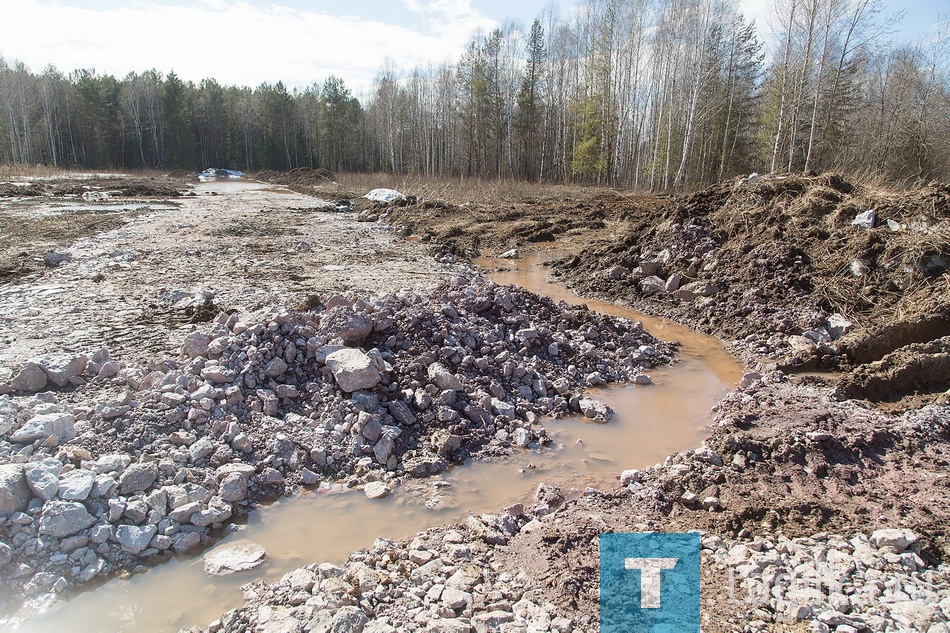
868,582
120,464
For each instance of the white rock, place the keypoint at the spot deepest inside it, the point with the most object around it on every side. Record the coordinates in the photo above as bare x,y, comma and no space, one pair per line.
512,254
595,409
376,490
384,196
652,285
456,599
443,378
353,370
491,621
521,437
893,537
450,625
838,326
673,283
234,557
628,476
503,408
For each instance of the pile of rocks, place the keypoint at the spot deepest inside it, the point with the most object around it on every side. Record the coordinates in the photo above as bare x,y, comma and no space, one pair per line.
141,461
443,580
448,579
876,583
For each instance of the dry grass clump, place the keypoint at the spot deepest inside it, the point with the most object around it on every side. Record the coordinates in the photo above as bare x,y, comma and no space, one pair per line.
461,190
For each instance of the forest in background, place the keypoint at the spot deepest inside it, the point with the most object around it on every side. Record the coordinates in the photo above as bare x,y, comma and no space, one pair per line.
644,94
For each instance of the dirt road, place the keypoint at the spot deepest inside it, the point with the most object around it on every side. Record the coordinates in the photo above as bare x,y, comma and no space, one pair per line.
136,288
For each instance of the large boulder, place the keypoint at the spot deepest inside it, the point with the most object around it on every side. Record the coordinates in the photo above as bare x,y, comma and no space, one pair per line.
30,378
14,492
61,368
138,477
62,518
353,370
46,425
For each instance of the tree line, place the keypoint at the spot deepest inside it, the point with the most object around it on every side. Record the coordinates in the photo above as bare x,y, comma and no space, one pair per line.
649,94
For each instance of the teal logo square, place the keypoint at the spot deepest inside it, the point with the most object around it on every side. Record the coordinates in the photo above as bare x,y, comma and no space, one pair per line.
649,583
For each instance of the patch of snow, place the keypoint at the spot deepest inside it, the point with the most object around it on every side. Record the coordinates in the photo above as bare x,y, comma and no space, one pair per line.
384,195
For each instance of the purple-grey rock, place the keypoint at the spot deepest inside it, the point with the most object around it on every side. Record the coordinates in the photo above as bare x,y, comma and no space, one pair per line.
138,477
30,378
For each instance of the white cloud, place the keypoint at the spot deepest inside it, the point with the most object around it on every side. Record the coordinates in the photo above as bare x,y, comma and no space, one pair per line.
235,43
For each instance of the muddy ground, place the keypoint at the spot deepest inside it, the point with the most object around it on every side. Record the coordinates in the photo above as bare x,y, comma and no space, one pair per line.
773,266
777,269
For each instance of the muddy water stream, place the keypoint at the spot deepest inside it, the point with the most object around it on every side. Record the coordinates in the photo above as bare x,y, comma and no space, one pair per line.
651,422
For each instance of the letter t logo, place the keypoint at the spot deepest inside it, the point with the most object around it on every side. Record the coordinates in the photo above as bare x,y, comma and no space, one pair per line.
650,578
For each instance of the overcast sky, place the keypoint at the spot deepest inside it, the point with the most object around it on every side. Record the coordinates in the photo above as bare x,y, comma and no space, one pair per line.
247,42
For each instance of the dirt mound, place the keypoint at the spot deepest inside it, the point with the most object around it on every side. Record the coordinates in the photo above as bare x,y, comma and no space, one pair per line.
768,260
119,188
298,176
468,228
10,190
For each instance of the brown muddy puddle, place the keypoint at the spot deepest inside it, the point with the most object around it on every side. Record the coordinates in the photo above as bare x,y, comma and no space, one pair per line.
651,422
